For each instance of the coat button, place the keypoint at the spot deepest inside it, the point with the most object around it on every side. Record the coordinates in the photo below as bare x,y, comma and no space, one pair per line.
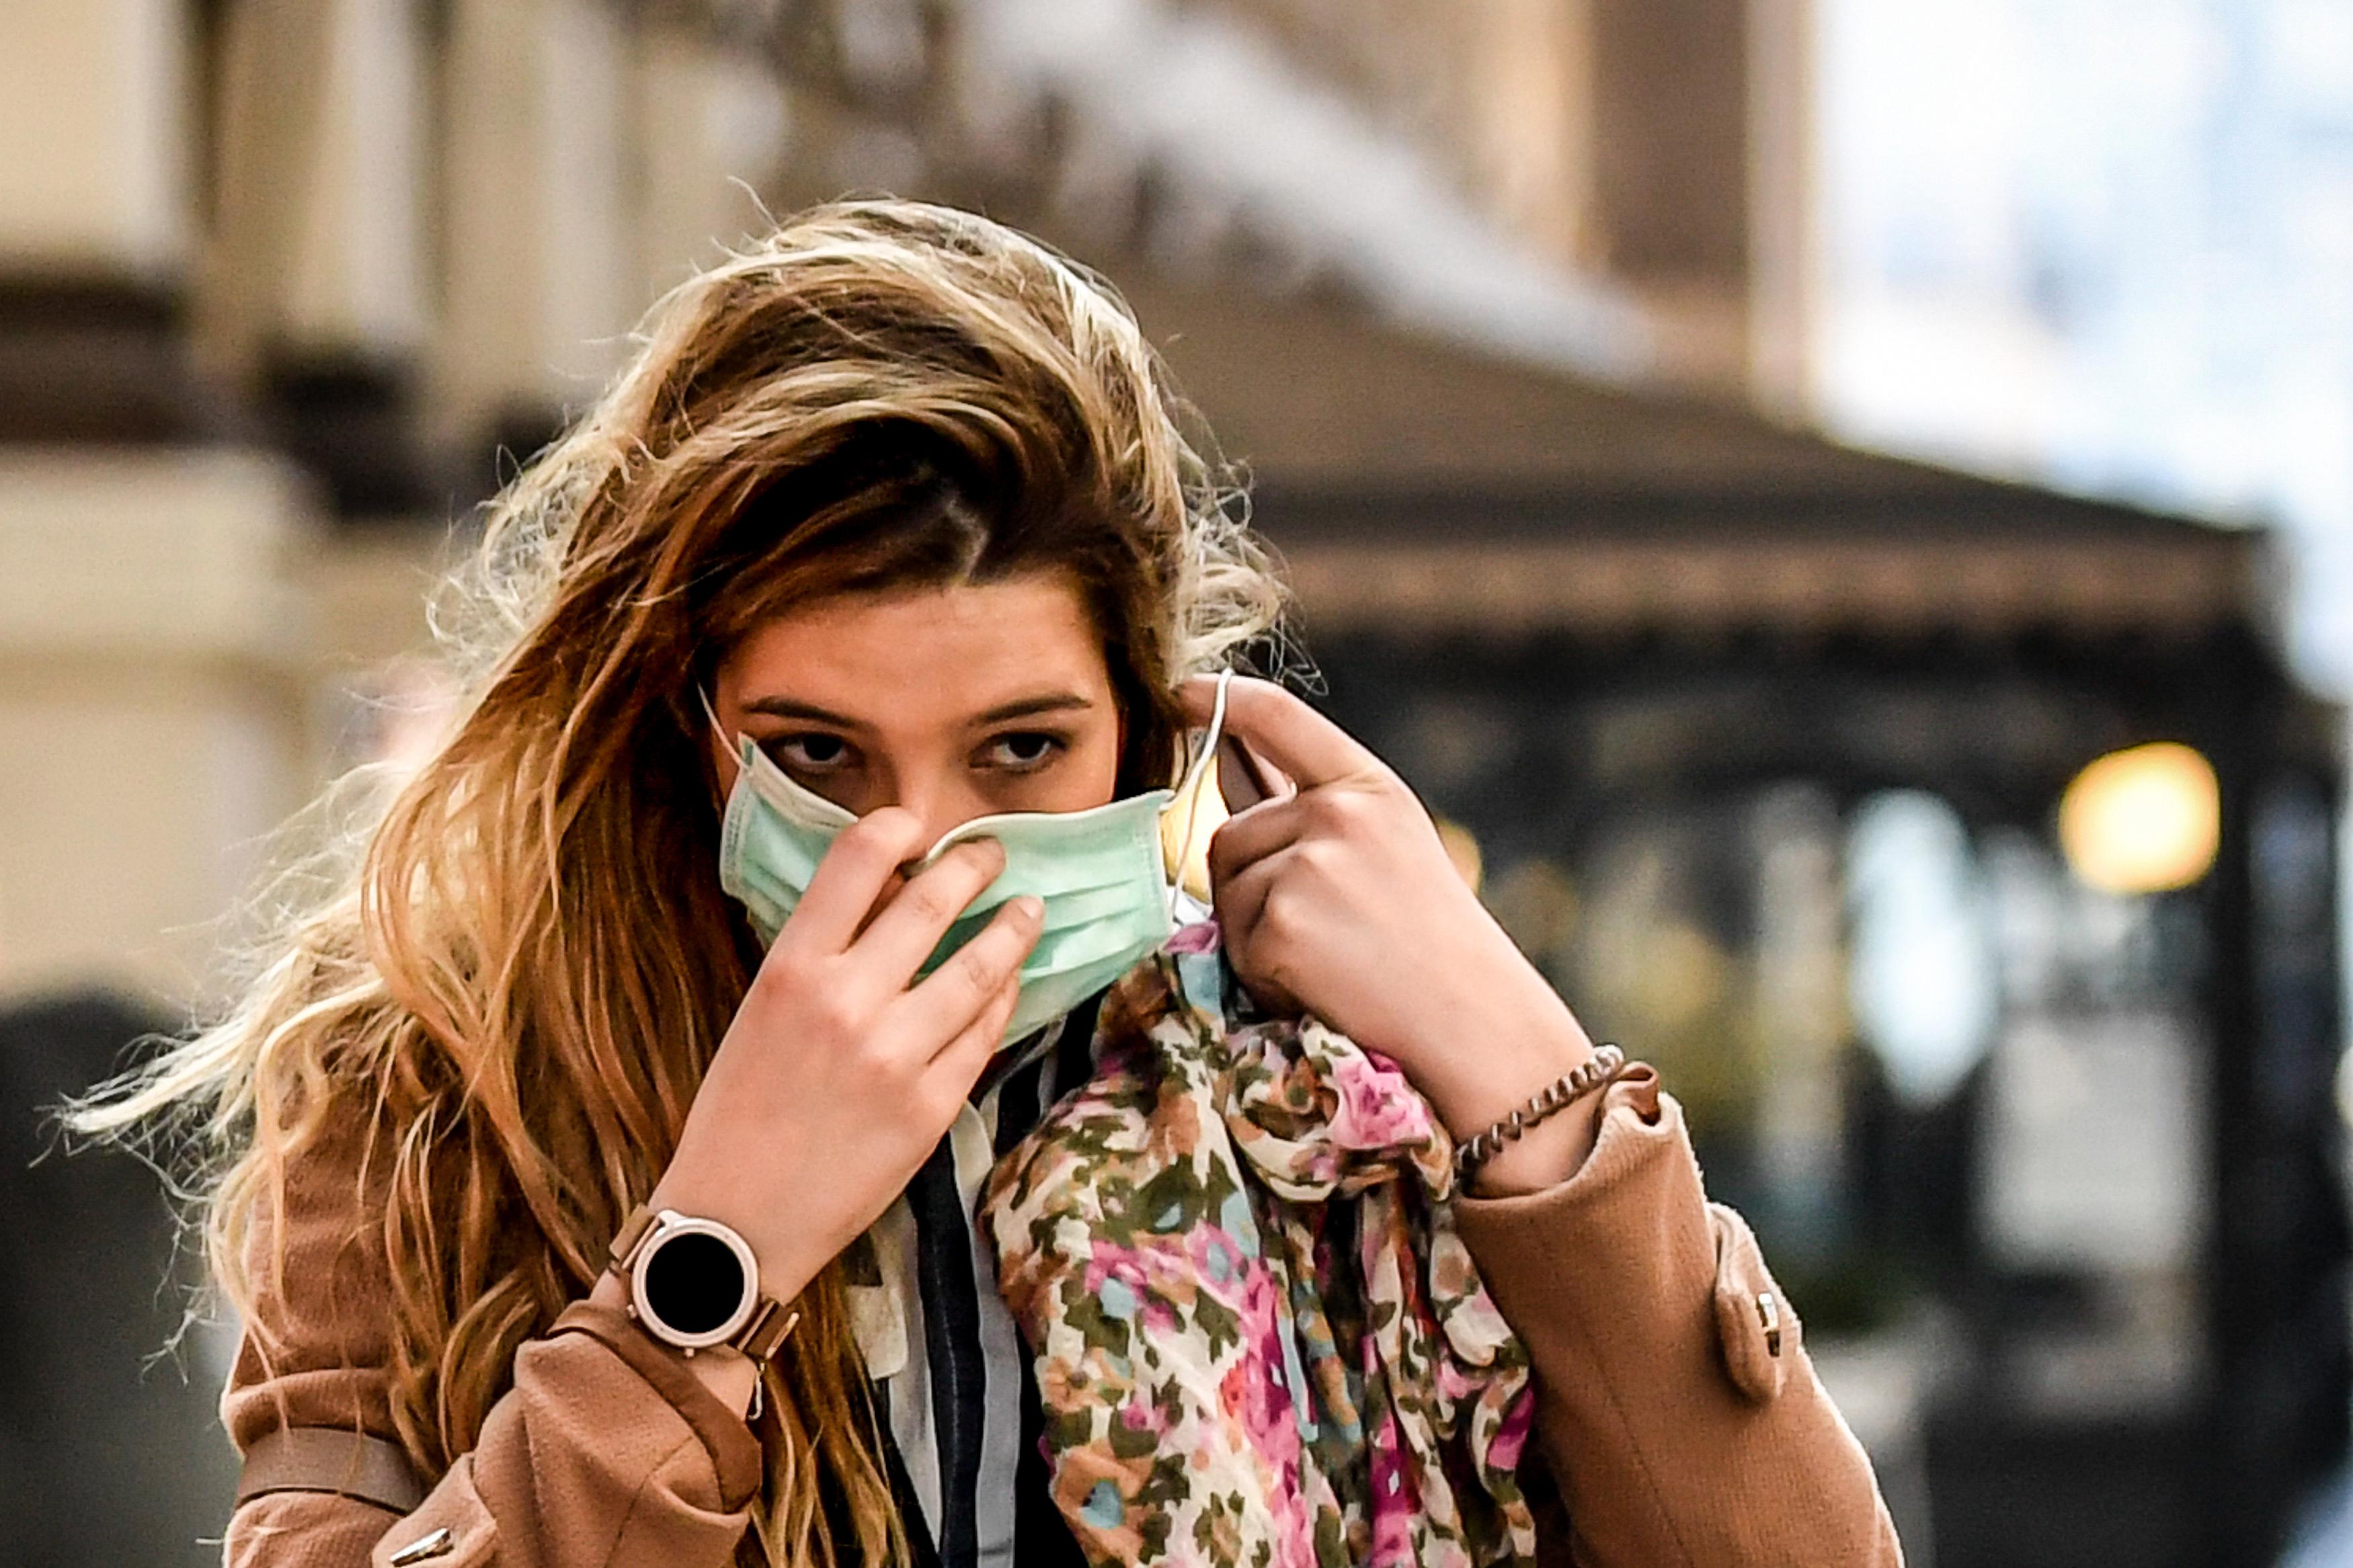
424,1547
1768,1313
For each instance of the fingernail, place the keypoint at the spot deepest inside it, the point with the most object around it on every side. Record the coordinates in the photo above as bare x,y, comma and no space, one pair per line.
1031,907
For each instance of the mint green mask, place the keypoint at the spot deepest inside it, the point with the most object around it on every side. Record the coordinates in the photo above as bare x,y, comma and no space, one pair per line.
1100,874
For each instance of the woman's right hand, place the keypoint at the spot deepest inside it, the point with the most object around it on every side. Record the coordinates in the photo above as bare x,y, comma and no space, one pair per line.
838,1078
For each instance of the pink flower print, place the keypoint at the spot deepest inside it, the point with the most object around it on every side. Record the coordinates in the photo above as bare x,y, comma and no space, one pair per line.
1257,1391
1217,1260
1108,1262
1258,1414
1512,1436
1135,1285
1376,1108
1395,1498
1247,1393
1159,1317
1142,1415
1263,1319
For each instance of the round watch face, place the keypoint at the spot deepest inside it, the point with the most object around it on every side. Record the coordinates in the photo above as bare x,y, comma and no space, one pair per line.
695,1282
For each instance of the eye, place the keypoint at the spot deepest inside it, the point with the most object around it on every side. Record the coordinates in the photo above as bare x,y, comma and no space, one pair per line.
816,752
1022,751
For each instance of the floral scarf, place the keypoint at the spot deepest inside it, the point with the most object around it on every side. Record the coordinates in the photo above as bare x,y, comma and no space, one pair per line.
1258,1339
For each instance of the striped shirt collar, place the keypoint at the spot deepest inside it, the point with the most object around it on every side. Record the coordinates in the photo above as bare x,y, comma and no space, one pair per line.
952,1377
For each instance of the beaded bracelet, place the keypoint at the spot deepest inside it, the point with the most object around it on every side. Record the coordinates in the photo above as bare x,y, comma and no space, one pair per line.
1596,1070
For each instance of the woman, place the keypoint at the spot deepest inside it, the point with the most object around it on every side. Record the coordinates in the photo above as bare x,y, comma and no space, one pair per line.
556,1206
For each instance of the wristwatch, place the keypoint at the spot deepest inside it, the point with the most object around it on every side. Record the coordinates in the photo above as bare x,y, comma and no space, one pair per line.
694,1283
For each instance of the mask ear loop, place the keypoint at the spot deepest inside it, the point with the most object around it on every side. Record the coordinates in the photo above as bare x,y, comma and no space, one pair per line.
732,742
1188,791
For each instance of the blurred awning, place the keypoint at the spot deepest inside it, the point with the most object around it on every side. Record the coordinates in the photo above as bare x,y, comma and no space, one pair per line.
1427,488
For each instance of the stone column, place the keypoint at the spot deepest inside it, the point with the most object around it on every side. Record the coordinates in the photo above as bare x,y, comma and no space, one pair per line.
317,245
95,117
710,131
152,725
313,300
1785,237
541,275
153,708
96,218
153,730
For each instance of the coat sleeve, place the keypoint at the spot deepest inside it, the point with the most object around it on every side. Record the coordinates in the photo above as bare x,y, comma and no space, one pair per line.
605,1450
1675,1400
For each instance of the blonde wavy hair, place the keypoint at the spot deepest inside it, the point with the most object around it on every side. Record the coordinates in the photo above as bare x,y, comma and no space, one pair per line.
513,987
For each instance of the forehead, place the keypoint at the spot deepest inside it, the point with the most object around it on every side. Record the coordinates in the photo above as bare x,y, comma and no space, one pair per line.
910,654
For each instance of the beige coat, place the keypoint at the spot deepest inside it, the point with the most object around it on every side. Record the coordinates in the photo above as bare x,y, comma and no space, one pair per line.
1680,1432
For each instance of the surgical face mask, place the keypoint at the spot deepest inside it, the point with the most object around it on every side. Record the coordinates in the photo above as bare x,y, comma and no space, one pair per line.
1101,875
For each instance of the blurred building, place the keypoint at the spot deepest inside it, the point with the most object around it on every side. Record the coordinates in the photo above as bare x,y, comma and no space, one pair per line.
1762,742
284,282
1960,851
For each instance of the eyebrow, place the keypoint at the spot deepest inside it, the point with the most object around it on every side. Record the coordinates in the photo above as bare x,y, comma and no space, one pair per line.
1029,707
786,708
1025,707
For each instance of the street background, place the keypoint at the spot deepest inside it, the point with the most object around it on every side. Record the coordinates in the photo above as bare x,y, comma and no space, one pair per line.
1844,508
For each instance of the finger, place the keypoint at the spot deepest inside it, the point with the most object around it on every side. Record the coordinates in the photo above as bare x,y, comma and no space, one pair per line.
959,990
1281,729
1244,781
1241,911
906,928
1251,836
1240,899
961,1061
856,868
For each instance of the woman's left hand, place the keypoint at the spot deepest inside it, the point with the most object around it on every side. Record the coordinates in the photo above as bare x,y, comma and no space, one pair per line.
1339,901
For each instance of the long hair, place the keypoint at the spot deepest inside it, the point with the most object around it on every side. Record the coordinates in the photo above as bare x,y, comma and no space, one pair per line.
519,983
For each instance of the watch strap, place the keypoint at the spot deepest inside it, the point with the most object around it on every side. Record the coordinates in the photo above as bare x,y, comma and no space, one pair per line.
770,1322
633,1231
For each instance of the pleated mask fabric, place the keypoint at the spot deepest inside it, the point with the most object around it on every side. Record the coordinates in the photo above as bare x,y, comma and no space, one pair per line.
1101,876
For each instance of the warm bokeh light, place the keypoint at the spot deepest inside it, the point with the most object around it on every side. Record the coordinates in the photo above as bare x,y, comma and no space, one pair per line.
1462,849
2144,820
